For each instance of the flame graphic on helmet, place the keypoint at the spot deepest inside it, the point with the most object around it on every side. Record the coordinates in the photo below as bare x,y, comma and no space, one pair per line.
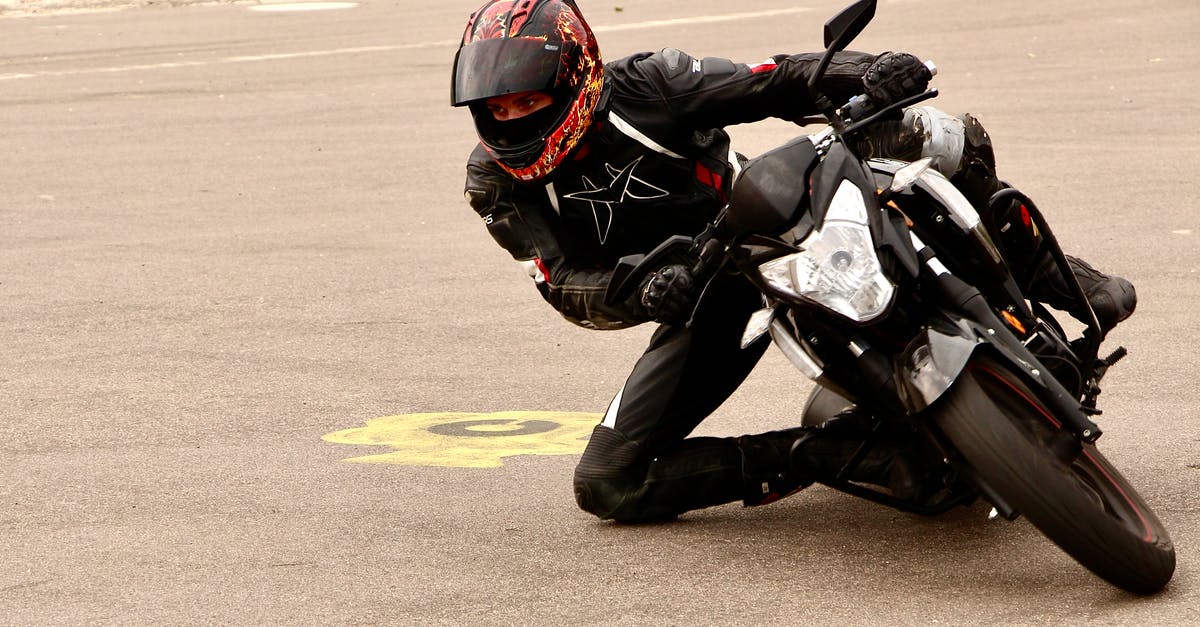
586,73
492,21
580,69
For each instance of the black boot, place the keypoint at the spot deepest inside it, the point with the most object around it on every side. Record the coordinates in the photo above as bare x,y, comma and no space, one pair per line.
1111,297
767,471
886,461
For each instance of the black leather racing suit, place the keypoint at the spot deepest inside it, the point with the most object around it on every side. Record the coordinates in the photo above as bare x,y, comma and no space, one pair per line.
656,164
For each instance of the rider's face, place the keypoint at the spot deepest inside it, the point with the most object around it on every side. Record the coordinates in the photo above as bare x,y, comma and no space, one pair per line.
514,106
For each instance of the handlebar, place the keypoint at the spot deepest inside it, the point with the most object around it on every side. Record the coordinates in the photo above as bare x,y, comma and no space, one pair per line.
860,108
703,254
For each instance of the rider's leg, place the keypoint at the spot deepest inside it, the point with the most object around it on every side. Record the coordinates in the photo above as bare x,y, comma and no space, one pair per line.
962,150
640,465
1112,298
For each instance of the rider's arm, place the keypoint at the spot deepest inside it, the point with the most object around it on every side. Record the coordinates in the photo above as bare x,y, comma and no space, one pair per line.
522,222
716,92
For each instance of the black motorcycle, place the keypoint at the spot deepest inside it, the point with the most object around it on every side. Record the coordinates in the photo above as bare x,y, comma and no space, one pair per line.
883,285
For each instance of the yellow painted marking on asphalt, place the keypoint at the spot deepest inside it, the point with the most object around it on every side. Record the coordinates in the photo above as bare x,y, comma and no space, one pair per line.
466,440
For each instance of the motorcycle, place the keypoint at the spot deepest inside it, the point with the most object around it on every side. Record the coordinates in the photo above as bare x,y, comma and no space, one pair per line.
883,285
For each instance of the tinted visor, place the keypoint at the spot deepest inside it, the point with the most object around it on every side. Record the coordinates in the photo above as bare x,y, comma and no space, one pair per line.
494,67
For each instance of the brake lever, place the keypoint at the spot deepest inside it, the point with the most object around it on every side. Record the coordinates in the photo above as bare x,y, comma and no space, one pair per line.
899,104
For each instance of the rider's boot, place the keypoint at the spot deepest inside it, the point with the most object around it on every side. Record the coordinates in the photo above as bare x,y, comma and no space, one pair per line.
886,462
1112,298
780,463
767,471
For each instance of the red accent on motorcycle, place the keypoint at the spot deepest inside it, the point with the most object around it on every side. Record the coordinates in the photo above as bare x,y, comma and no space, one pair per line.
1036,405
1149,535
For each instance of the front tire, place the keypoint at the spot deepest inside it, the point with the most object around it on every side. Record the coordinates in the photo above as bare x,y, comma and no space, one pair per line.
1069,491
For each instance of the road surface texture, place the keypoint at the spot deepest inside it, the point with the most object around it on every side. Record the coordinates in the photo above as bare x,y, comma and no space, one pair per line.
234,254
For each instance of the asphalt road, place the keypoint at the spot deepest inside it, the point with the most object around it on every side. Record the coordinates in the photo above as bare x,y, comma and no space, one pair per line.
234,254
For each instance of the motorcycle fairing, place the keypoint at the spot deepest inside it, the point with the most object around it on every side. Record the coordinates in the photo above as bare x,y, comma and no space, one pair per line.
936,208
936,357
772,190
933,360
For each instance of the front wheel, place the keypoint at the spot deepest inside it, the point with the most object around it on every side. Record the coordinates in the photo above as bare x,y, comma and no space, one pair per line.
1069,491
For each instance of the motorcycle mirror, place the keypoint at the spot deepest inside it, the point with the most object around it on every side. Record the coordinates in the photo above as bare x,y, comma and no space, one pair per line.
842,28
909,174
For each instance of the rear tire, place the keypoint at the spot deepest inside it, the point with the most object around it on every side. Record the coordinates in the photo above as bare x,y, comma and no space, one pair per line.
1070,492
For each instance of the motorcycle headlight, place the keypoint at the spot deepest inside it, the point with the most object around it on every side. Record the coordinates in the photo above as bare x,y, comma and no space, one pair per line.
837,268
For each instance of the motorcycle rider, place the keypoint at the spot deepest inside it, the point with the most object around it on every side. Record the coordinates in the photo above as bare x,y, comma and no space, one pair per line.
581,163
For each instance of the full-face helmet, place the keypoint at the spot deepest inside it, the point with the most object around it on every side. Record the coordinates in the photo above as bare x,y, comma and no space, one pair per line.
514,46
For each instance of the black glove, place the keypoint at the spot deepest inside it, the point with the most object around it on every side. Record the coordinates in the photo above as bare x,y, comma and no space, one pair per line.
667,294
895,76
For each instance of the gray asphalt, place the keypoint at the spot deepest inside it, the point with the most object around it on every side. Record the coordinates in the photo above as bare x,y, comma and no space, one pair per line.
230,240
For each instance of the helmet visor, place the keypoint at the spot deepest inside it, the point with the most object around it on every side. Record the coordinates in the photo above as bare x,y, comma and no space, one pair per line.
495,67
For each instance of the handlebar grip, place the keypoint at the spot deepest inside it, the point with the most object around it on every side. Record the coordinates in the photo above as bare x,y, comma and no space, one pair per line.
858,108
861,106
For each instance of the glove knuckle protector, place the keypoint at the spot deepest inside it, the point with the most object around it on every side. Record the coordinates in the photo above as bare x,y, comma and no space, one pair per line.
666,295
894,76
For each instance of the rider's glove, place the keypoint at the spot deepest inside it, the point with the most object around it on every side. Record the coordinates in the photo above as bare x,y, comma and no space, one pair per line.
895,76
666,295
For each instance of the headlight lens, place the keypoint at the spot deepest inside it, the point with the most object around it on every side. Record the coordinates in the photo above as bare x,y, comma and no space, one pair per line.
838,267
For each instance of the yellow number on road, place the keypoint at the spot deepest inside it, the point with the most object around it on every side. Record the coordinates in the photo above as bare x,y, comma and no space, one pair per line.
469,440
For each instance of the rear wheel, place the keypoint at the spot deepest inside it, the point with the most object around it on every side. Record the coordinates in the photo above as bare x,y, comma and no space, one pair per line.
1070,492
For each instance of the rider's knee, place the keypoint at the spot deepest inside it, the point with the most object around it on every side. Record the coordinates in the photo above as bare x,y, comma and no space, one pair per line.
951,143
600,497
607,474
942,134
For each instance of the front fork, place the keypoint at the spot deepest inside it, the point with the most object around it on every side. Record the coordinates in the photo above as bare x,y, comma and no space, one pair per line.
934,359
973,324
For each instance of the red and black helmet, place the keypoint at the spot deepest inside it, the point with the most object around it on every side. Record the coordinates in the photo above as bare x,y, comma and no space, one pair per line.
513,46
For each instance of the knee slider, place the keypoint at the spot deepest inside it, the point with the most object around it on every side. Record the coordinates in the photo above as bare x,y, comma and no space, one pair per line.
607,473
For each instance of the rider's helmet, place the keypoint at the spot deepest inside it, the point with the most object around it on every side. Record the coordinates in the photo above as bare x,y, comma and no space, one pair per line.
512,46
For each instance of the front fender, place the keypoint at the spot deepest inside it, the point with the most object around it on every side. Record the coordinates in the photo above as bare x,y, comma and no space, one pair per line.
933,360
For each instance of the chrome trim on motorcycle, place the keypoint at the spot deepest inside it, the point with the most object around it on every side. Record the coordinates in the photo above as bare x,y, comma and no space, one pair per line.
796,352
962,212
908,175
